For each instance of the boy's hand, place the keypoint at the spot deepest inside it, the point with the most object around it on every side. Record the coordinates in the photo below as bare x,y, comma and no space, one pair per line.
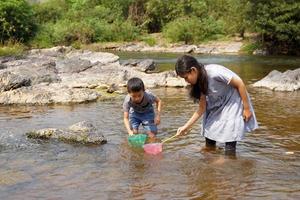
157,120
130,132
247,114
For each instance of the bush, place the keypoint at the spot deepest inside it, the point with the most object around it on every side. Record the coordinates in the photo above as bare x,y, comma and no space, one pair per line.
149,40
16,21
250,47
117,31
44,37
193,29
49,11
64,32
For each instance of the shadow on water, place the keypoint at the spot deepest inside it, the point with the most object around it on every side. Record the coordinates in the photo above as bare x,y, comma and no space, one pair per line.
262,169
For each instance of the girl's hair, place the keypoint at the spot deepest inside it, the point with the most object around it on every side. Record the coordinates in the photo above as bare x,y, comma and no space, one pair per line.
135,85
184,65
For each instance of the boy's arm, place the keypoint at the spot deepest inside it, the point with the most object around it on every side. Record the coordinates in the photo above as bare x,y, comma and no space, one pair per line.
158,107
195,117
239,84
127,124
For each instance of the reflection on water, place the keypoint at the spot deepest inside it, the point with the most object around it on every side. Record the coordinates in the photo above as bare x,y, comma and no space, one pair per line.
34,169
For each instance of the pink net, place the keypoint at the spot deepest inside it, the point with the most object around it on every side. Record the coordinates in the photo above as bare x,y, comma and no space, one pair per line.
153,148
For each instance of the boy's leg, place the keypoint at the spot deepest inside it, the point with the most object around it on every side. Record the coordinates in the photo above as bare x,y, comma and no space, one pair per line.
135,131
134,122
150,128
149,125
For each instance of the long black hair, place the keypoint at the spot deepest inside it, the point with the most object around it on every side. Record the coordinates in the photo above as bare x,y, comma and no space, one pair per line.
184,65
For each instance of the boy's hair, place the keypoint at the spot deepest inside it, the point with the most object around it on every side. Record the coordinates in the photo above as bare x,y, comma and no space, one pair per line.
135,85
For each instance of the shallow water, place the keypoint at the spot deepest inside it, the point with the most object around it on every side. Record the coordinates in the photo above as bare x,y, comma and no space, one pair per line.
262,169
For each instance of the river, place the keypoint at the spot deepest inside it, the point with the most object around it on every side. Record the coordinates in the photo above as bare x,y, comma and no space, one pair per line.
267,164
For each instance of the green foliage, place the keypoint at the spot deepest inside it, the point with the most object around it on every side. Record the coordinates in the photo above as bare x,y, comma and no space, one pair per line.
44,36
50,11
119,7
12,48
232,12
117,31
76,22
279,23
193,30
161,12
149,40
81,21
250,47
16,21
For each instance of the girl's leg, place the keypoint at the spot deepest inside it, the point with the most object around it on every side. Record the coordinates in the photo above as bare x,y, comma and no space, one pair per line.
210,143
230,148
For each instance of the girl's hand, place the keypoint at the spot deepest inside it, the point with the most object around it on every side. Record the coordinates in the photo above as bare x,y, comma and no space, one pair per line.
247,114
157,120
181,130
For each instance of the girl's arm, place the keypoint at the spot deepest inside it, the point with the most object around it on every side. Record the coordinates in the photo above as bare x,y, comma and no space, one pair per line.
239,84
126,123
158,107
202,106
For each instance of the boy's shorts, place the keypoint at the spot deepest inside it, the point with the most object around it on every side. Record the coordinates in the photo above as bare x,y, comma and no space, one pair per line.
146,119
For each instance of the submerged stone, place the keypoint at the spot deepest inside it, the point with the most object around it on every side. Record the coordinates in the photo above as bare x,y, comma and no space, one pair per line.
82,132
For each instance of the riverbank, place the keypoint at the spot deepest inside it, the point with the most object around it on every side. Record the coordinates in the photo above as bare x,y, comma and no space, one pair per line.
230,46
156,43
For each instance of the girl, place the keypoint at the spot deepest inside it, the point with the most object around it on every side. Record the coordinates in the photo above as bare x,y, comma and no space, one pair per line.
222,97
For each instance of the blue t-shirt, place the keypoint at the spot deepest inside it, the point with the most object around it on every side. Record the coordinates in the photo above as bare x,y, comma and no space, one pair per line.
143,107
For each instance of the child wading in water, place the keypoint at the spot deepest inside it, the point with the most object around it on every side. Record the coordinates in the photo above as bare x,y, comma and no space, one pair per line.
138,108
223,101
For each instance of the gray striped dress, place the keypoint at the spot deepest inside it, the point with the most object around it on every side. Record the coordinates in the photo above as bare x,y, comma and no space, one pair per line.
223,119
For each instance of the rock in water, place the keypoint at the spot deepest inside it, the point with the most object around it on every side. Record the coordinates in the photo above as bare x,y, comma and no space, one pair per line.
82,132
278,81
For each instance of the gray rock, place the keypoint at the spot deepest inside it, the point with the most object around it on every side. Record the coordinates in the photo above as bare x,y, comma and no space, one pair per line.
82,132
51,52
48,94
286,81
112,88
262,52
10,81
72,65
2,66
146,65
63,76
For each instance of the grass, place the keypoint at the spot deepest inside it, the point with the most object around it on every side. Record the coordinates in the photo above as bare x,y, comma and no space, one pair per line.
12,49
249,47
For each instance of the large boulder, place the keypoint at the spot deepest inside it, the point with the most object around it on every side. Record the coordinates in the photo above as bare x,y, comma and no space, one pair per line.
11,81
146,65
82,132
278,81
48,94
63,75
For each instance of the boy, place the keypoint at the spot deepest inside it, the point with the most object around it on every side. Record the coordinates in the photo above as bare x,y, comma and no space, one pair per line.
138,108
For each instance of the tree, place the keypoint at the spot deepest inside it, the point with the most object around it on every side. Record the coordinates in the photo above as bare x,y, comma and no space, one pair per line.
16,21
279,23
